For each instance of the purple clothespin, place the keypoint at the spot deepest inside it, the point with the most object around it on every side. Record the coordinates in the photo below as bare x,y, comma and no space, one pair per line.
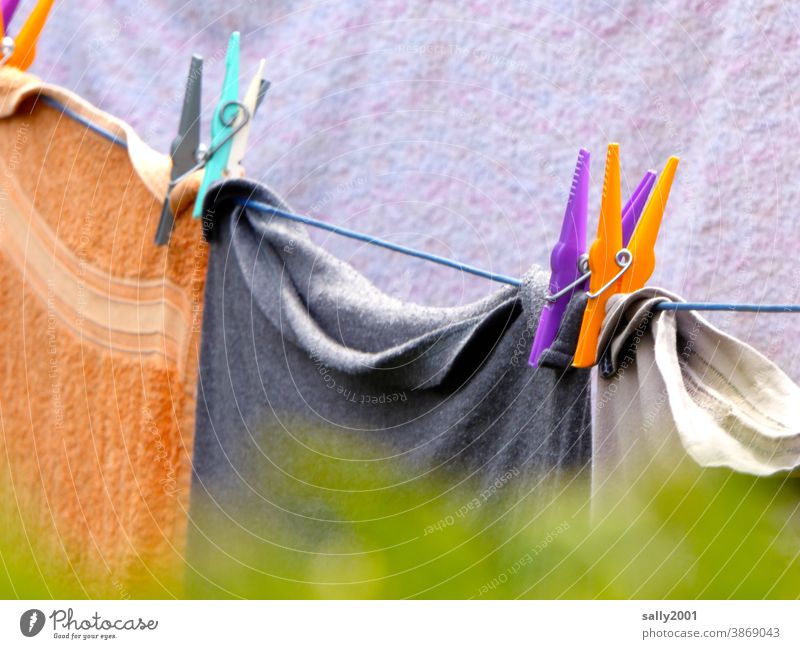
635,205
9,9
566,275
564,259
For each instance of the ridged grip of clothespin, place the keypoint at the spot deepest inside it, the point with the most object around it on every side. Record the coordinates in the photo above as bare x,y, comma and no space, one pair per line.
564,258
551,318
602,259
27,37
221,124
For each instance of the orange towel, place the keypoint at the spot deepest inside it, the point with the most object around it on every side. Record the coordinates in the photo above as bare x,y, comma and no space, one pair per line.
99,331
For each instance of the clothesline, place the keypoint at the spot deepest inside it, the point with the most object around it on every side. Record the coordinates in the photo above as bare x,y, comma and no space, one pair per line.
428,256
496,277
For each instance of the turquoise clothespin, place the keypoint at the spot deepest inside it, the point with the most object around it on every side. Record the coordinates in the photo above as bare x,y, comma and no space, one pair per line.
222,124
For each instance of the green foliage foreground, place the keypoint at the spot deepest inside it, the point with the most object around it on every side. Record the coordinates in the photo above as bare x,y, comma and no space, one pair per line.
693,534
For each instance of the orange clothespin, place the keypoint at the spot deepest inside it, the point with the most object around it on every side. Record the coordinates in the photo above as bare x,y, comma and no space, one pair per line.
25,41
615,268
643,241
602,260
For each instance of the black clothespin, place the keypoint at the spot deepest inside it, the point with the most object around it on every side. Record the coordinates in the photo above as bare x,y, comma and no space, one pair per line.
185,148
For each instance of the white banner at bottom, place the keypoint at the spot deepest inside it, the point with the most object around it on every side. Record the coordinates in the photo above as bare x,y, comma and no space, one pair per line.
379,624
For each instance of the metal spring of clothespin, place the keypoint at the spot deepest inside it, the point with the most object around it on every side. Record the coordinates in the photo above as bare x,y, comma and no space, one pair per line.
237,120
204,153
569,261
229,133
620,259
624,257
6,49
19,52
585,273
618,266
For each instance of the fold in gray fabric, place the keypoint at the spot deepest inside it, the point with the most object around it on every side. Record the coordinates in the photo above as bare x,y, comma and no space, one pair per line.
561,353
304,361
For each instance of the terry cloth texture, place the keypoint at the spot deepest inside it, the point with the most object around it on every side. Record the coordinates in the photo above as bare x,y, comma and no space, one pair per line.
672,387
303,358
99,332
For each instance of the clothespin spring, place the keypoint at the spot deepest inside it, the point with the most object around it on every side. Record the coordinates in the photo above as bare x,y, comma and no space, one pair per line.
6,49
204,155
624,259
583,265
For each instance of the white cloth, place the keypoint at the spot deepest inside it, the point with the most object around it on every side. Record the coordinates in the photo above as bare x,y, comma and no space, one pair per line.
671,385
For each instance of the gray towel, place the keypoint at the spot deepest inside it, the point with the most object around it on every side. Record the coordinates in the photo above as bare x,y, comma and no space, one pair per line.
304,363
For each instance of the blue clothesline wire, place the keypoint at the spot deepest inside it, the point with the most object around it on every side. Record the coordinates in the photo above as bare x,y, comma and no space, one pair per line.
421,254
81,119
724,306
497,277
375,241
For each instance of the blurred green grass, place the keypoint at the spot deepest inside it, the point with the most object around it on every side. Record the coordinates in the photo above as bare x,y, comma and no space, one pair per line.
687,534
